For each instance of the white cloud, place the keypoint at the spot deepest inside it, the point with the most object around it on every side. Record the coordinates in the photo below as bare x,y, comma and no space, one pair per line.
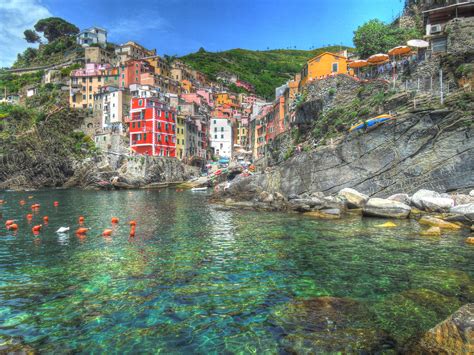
15,17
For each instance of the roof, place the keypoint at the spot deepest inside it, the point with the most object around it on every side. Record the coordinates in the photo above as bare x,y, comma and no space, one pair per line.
327,53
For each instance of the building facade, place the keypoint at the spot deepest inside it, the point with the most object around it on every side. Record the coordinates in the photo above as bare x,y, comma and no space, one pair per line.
221,137
152,127
93,35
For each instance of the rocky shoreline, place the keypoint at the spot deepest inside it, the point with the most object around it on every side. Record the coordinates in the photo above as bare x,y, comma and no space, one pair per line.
435,211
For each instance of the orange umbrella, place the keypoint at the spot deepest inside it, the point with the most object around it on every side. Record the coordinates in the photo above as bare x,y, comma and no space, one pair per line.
399,50
358,64
379,58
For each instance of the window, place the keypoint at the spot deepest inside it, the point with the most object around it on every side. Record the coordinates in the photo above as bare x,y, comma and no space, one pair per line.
215,136
439,45
335,67
84,97
222,136
215,129
140,102
166,126
222,145
133,124
166,139
138,124
90,88
144,136
83,80
123,76
90,80
215,122
222,129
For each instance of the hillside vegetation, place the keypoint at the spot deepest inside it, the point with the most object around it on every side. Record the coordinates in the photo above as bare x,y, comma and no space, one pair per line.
264,69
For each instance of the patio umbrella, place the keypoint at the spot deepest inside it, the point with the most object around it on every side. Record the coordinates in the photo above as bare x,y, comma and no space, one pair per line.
358,64
379,58
399,50
418,43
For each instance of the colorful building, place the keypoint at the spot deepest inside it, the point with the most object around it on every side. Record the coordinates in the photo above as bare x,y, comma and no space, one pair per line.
323,65
134,71
132,50
161,66
221,137
180,137
93,35
152,127
86,82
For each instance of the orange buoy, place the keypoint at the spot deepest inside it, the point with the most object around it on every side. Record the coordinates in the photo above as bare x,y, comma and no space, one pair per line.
133,223
132,231
9,222
107,232
115,220
46,219
81,219
29,216
13,226
22,202
55,203
82,230
1,202
36,228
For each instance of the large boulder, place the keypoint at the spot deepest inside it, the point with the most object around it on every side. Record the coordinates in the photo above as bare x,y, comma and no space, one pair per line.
455,335
466,210
354,198
431,201
462,199
403,198
380,207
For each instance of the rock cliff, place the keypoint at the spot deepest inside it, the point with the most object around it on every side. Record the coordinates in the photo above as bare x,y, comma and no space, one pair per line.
431,149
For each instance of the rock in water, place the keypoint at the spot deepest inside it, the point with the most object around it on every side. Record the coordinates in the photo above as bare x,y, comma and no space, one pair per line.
455,335
380,207
354,198
438,222
403,198
466,210
432,201
431,232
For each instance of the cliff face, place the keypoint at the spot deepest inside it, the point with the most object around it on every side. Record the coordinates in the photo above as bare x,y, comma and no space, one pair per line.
432,150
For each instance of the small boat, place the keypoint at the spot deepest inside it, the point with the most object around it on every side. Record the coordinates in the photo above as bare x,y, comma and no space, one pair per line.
371,122
62,230
199,189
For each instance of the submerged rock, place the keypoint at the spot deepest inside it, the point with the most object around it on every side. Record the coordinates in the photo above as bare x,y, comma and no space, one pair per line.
407,315
455,335
330,324
332,213
431,231
438,222
380,207
354,198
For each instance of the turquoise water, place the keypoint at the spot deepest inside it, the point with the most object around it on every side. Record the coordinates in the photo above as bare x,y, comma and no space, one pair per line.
199,278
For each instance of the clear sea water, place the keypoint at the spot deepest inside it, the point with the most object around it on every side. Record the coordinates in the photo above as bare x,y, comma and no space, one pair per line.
199,278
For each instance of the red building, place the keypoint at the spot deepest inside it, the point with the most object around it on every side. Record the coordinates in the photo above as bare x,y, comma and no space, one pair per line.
131,72
152,127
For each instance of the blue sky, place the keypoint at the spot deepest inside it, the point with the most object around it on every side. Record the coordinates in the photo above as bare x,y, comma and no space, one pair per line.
183,26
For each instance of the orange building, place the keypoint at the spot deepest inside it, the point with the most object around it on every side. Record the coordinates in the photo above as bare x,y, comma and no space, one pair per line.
323,65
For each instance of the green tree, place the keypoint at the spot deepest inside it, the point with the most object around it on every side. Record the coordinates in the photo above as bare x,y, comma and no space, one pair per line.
375,36
55,27
31,36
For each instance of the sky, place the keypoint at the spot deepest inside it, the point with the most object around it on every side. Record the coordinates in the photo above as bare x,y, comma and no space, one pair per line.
178,27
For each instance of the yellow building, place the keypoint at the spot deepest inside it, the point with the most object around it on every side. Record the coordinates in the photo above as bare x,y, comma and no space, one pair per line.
161,66
180,137
86,82
323,65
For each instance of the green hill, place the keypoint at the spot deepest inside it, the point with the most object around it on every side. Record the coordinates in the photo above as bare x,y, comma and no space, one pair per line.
264,69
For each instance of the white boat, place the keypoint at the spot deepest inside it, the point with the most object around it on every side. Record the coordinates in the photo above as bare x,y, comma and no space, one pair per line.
199,189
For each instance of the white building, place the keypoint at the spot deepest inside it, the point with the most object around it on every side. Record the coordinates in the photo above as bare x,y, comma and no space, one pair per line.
112,105
221,137
93,35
